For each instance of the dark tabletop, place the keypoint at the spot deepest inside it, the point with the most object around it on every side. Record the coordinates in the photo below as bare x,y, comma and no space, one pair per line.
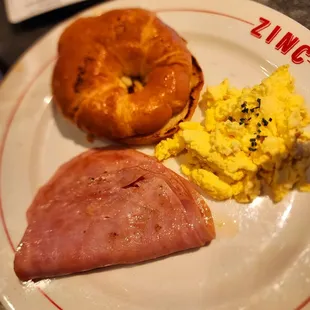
15,39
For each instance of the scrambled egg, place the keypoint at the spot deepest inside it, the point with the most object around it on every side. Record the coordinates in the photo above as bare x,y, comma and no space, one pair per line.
250,138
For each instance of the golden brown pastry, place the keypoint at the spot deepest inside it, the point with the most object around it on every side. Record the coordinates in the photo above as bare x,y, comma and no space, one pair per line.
126,76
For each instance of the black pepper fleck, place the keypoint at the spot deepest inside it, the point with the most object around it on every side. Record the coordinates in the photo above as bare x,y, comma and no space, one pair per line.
259,102
265,122
252,149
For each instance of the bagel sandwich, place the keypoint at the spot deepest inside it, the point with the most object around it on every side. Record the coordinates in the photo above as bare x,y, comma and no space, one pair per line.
126,76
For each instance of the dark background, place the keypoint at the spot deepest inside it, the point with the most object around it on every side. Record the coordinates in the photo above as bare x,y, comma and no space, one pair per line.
15,39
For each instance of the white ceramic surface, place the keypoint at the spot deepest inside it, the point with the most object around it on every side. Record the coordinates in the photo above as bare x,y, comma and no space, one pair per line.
261,257
20,10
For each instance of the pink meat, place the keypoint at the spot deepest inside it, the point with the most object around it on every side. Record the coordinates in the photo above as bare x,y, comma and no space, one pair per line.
108,207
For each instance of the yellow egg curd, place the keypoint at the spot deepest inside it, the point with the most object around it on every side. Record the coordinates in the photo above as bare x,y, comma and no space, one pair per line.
250,137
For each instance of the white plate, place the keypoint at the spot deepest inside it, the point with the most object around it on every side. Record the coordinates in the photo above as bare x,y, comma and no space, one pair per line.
261,258
20,10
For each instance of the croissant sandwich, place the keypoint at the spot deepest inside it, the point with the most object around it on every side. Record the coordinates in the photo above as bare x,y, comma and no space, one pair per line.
126,76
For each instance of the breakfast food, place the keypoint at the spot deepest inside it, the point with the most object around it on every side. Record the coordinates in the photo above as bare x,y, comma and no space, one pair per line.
108,207
126,76
251,137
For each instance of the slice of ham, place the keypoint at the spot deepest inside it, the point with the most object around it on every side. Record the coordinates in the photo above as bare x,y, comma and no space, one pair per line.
107,207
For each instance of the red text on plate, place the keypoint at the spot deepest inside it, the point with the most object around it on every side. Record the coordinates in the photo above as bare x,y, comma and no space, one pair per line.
284,42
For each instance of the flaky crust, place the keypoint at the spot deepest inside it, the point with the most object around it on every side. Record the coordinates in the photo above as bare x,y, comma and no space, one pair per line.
96,57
